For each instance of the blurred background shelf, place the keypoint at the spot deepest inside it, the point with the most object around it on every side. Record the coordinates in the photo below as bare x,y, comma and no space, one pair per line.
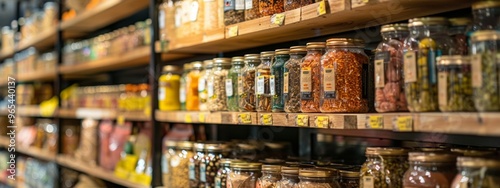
99,113
36,76
36,153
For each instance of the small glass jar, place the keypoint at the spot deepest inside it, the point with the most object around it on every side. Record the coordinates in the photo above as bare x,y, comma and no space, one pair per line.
289,177
276,80
349,179
292,4
179,164
315,178
389,83
459,32
486,14
291,83
270,176
262,85
384,167
485,73
168,153
233,81
223,171
343,88
208,166
247,96
477,173
218,99
202,84
310,77
183,85
428,40
454,84
234,12
244,175
252,10
194,166
430,169
192,98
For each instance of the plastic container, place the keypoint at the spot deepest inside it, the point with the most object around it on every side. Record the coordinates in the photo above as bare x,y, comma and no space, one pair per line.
477,172
247,94
202,84
192,98
343,76
384,167
389,81
430,169
486,14
455,92
315,178
262,82
244,175
270,176
233,81
218,100
291,85
270,7
310,77
289,177
183,85
459,32
276,80
234,11
194,165
179,164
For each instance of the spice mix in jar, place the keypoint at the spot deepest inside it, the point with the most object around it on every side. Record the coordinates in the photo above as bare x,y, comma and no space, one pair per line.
233,81
246,90
291,83
310,77
384,167
262,82
218,99
430,169
477,172
454,84
276,80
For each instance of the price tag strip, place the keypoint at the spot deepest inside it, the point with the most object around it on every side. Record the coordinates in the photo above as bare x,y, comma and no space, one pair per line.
321,122
403,123
244,118
374,122
302,120
266,119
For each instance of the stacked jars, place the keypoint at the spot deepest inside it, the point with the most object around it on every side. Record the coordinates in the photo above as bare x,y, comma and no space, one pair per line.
192,99
477,172
270,176
183,85
218,99
455,84
430,169
310,77
276,81
194,166
291,85
389,84
384,167
233,82
247,96
202,84
262,85
243,174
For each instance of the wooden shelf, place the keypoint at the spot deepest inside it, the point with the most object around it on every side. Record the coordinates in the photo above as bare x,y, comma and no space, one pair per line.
106,13
306,23
98,113
45,39
28,111
95,171
36,76
5,54
36,153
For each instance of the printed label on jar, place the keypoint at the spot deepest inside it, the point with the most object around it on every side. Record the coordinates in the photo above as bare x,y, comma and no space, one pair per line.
271,85
379,73
191,171
161,93
261,82
368,182
218,182
201,84
240,85
239,4
305,84
203,169
182,95
248,4
329,83
443,88
210,88
431,65
161,19
228,5
410,67
285,83
477,77
193,15
229,87
164,165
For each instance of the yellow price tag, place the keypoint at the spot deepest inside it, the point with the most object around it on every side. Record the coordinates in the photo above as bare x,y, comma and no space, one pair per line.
201,117
140,178
321,8
121,172
375,122
278,19
266,119
188,118
321,121
120,120
302,120
232,31
244,118
403,123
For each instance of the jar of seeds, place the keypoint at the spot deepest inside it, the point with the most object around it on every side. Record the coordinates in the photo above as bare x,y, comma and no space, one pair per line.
202,84
244,175
194,166
291,85
316,178
218,100
208,166
454,84
310,77
247,94
289,177
270,176
179,164
233,81
384,167
262,85
276,80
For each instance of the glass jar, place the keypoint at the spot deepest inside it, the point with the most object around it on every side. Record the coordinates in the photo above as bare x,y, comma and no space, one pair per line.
454,84
243,175
430,169
473,152
218,101
202,84
194,166
343,76
252,10
192,99
389,84
276,79
147,32
223,172
233,81
289,177
270,7
208,166
168,153
315,178
292,4
428,40
349,179
168,91
270,176
183,85
485,70
234,11
262,85
459,32
49,15
310,77
291,85
139,32
384,167
486,14
247,94
477,173
179,164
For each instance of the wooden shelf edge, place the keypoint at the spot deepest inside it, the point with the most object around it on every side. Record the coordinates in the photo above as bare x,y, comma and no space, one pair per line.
99,113
45,39
32,111
36,76
36,153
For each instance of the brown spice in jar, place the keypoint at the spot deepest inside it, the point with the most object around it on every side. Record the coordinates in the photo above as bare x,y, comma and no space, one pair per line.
252,10
270,7
310,77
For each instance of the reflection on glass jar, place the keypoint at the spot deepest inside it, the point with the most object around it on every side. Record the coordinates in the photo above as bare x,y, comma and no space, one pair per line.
430,169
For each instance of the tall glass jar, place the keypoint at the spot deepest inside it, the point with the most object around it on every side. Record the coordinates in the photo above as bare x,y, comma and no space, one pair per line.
218,101
202,84
192,98
477,172
310,77
183,85
455,84
270,176
262,85
486,14
349,179
234,11
179,163
389,83
314,178
194,166
343,76
289,177
384,167
208,165
244,175
270,7
485,70
430,169
233,81
168,154
291,83
276,80
247,94
459,32
223,171
428,40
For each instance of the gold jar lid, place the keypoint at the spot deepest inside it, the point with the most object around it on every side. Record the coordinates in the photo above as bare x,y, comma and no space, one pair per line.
171,68
478,162
472,152
185,145
284,51
222,61
386,151
453,60
216,146
290,170
228,162
207,64
441,157
170,144
187,67
431,149
394,27
245,165
238,60
351,42
298,49
349,174
315,173
460,21
314,45
196,65
267,54
485,4
271,168
428,21
484,35
252,57
198,146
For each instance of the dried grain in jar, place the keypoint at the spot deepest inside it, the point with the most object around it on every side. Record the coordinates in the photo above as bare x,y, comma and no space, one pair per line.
276,80
192,100
291,79
246,90
455,84
218,100
202,84
262,85
310,77
233,81
234,11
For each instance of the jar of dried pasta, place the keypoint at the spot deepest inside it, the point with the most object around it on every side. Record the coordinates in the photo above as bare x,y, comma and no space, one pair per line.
247,96
316,178
291,85
262,86
276,80
289,177
477,172
430,169
252,10
179,164
192,100
218,100
243,174
384,167
270,7
233,81
343,76
183,85
454,84
310,77
202,84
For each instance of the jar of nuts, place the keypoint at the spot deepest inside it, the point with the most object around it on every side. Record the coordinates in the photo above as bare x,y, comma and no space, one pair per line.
202,84
194,166
192,100
270,176
218,99
276,80
389,83
208,166
454,84
247,86
233,81
310,77
291,85
289,177
343,76
179,164
262,85
384,167
244,175
430,169
168,153
316,178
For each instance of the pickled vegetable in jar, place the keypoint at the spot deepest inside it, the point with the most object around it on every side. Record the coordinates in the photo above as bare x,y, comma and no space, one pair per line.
276,80
262,85
208,165
270,176
349,179
244,175
168,90
289,177
246,90
430,169
485,70
252,10
428,40
233,81
183,85
315,178
270,7
384,167
202,84
459,32
310,77
234,11
291,83
218,99
486,14
455,84
389,83
194,166
192,99
343,76
477,172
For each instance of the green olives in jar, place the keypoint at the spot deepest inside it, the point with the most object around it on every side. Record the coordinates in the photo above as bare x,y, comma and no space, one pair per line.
384,167
454,84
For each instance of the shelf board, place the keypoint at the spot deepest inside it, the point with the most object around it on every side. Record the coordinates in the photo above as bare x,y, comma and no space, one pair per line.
28,110
95,171
5,54
45,39
36,153
99,113
106,13
36,76
306,23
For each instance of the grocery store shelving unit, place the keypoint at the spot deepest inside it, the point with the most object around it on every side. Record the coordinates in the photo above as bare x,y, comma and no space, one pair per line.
37,76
